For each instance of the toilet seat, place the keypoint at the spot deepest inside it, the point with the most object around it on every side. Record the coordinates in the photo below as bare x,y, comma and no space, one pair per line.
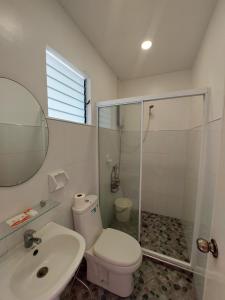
117,248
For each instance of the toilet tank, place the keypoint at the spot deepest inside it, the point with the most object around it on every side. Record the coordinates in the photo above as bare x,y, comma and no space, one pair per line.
87,220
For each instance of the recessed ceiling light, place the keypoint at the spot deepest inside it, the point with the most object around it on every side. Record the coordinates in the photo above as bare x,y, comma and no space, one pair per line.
146,45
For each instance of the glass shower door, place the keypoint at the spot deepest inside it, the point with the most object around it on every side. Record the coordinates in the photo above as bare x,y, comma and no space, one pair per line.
119,144
172,137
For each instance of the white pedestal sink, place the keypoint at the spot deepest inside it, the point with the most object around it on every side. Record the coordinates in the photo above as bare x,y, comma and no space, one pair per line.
43,272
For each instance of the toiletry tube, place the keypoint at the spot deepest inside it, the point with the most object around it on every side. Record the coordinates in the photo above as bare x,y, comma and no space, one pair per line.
78,199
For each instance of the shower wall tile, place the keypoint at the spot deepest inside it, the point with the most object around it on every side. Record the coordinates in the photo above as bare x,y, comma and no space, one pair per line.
108,147
168,115
130,165
131,141
163,177
165,141
170,175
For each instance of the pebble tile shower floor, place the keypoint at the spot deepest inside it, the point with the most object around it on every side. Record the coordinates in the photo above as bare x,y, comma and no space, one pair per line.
164,235
153,281
159,233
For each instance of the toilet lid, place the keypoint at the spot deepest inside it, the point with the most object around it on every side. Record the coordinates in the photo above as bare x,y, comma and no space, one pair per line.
117,248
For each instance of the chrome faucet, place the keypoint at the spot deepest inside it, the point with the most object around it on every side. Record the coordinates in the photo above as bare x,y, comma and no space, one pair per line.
29,238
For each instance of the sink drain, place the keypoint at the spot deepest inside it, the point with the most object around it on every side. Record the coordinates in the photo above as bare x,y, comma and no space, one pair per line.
42,272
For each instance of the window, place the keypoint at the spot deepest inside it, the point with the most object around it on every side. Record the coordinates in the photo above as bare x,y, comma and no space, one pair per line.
66,90
108,117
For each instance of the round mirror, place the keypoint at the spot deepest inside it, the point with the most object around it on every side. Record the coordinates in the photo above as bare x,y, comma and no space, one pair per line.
23,134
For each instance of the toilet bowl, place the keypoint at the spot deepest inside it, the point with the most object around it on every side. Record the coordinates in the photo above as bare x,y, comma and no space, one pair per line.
112,255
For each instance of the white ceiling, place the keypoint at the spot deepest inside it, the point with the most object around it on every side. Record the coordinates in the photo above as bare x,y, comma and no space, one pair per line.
116,28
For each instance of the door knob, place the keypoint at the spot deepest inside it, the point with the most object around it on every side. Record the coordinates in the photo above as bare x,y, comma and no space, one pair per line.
206,247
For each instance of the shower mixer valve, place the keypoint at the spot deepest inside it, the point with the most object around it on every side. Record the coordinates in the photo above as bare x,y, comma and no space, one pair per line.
115,179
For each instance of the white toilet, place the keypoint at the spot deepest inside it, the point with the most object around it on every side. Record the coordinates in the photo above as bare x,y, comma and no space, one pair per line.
112,256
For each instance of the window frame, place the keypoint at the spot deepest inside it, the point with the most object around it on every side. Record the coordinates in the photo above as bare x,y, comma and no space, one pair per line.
87,85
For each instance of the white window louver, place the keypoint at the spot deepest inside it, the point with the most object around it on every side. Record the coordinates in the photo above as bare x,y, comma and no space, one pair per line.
105,118
108,117
66,91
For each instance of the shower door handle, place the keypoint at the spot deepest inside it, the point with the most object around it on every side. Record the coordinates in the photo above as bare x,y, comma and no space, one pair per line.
205,247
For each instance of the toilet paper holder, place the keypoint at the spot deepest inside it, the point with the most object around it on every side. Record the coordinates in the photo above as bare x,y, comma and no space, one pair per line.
57,180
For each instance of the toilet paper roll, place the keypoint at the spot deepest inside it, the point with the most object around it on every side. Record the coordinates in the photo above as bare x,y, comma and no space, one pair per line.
79,199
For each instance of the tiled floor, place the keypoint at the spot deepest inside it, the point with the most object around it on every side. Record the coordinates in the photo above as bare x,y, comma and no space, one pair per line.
159,233
153,281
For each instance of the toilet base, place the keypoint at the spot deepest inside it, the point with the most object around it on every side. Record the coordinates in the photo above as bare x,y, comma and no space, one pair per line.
117,283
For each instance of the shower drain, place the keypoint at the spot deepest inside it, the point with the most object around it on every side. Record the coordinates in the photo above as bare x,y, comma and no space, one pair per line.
42,272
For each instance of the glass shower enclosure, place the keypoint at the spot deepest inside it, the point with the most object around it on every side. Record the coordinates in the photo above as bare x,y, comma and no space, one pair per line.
150,158
119,129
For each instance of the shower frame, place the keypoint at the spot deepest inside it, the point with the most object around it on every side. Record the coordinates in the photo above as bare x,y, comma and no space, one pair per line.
204,92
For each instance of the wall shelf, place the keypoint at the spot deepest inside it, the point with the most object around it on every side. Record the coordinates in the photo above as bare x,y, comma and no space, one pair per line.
6,230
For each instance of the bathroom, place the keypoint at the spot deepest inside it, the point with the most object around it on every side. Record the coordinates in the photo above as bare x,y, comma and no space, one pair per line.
140,109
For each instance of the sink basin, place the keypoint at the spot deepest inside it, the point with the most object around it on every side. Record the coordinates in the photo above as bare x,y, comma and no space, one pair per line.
41,273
